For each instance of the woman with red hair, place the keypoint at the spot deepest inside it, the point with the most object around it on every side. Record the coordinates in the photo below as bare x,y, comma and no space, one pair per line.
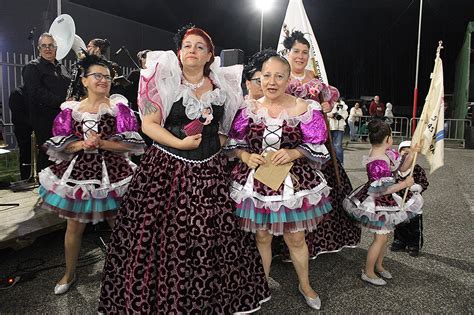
176,247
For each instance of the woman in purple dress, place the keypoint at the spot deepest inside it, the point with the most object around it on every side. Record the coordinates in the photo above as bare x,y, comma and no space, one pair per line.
91,142
338,230
293,131
176,246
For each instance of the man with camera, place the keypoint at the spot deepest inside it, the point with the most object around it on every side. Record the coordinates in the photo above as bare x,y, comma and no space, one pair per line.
337,123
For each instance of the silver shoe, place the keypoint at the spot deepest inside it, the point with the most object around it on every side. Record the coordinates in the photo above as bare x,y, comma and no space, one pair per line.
313,303
273,284
63,288
385,274
374,281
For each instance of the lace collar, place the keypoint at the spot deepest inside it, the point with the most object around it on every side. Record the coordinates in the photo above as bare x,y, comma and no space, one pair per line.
194,106
111,109
259,113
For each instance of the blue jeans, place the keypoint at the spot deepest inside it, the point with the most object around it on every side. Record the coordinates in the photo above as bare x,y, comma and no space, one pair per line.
337,136
353,130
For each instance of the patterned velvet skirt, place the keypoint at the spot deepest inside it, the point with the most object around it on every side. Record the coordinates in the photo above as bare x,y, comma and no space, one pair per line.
176,247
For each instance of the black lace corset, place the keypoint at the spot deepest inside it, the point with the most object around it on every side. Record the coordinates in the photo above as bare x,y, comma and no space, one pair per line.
210,144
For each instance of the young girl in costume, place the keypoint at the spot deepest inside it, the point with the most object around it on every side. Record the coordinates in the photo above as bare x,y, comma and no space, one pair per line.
378,204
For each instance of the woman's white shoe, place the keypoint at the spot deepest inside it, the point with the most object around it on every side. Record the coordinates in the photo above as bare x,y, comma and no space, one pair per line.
374,281
63,288
385,274
314,303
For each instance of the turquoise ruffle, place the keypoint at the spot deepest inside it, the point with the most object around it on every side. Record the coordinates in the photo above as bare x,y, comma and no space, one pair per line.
284,215
78,206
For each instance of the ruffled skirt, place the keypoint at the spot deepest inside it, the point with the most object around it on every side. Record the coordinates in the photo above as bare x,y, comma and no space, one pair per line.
338,229
382,213
299,205
88,188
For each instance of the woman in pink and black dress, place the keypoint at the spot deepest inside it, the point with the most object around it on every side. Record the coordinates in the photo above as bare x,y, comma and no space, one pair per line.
91,146
176,247
338,230
294,131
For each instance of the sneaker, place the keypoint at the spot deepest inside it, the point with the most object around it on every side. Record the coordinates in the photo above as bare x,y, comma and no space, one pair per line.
374,281
397,247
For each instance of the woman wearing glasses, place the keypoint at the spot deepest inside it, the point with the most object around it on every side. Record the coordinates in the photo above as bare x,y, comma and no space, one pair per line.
176,246
252,73
90,144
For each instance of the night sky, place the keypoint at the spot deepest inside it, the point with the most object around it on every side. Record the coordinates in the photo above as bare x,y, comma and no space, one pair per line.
368,46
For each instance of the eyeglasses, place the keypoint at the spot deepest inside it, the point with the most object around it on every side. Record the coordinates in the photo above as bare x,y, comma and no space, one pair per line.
256,81
100,76
48,46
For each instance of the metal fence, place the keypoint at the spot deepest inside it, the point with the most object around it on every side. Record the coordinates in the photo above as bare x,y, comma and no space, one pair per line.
453,129
11,65
400,126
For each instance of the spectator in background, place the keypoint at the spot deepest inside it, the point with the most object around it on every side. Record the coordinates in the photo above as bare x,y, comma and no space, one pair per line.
354,121
337,123
99,47
46,82
376,108
388,117
134,78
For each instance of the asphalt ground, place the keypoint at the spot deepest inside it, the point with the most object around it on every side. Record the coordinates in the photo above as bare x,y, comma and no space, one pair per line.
440,280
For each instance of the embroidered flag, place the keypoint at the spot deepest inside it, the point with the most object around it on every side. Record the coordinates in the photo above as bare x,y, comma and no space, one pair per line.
430,128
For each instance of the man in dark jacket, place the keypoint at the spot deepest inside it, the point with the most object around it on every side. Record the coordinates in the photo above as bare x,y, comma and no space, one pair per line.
46,82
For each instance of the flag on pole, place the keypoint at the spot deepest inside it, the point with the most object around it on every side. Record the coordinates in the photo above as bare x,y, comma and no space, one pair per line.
430,129
297,20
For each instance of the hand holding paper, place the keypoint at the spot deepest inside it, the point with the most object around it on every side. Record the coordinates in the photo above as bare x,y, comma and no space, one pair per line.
284,156
270,174
252,160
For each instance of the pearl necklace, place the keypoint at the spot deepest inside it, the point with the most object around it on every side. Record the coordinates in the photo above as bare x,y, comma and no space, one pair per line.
193,86
299,78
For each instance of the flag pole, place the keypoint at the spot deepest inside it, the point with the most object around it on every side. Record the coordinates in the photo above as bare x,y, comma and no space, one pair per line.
419,140
261,28
332,152
415,91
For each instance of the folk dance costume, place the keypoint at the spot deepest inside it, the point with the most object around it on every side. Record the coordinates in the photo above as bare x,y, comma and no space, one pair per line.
302,200
87,185
378,211
176,246
410,234
338,230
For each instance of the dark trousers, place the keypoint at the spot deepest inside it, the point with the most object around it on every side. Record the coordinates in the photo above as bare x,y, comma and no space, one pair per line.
43,130
23,139
410,233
